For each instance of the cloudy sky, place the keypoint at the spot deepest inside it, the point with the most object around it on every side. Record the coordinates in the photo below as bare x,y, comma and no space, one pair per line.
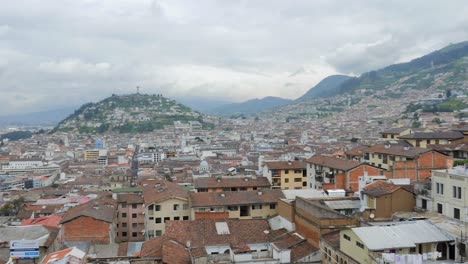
56,53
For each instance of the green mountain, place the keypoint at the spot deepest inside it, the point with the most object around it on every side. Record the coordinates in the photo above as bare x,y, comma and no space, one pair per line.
325,88
251,106
419,73
132,113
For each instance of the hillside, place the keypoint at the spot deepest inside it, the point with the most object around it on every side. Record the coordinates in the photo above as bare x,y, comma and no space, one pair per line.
251,106
327,87
432,88
445,68
131,113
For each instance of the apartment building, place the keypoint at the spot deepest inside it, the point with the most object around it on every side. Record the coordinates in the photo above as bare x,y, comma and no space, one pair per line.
449,193
235,205
130,217
286,175
231,183
164,201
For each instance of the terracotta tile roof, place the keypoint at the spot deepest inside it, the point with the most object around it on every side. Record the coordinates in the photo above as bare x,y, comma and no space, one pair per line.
203,232
52,220
130,198
175,253
302,250
334,163
397,150
96,209
235,198
226,182
153,247
285,165
434,135
357,151
160,190
379,188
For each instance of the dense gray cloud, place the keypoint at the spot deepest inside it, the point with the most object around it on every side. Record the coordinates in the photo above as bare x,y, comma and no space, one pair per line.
55,53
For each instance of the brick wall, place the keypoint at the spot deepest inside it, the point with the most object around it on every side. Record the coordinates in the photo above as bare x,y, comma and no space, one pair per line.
86,228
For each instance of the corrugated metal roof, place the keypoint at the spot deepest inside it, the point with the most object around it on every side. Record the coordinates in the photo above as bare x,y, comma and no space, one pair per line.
343,204
401,235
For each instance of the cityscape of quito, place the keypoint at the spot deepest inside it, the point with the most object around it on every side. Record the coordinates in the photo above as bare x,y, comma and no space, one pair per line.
134,140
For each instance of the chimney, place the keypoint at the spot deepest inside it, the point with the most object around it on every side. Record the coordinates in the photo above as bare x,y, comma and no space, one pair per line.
259,193
222,195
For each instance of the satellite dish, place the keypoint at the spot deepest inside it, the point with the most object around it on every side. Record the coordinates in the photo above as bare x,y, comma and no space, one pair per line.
371,216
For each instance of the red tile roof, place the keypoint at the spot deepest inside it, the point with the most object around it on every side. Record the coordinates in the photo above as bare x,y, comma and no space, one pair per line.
235,198
229,182
334,163
285,165
379,188
160,190
52,220
397,150
95,209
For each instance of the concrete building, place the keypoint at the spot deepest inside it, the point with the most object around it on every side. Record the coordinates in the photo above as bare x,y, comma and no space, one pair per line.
164,201
450,193
235,205
231,183
286,175
414,241
130,217
333,173
381,199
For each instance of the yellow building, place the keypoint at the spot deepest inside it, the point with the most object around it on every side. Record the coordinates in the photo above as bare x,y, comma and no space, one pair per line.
91,154
286,175
235,205
164,201
424,139
374,243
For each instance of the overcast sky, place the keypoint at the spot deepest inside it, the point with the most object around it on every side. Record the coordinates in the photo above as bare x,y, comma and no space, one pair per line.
55,53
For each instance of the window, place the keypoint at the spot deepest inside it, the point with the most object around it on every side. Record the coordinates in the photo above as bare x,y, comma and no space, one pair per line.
158,233
201,210
124,205
124,215
134,206
233,208
272,206
176,218
440,208
166,219
157,207
151,218
185,218
304,184
286,171
134,225
440,188
185,207
297,179
286,180
158,220
456,192
124,234
256,207
151,207
347,237
134,215
297,171
456,213
359,244
176,207
124,224
134,234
